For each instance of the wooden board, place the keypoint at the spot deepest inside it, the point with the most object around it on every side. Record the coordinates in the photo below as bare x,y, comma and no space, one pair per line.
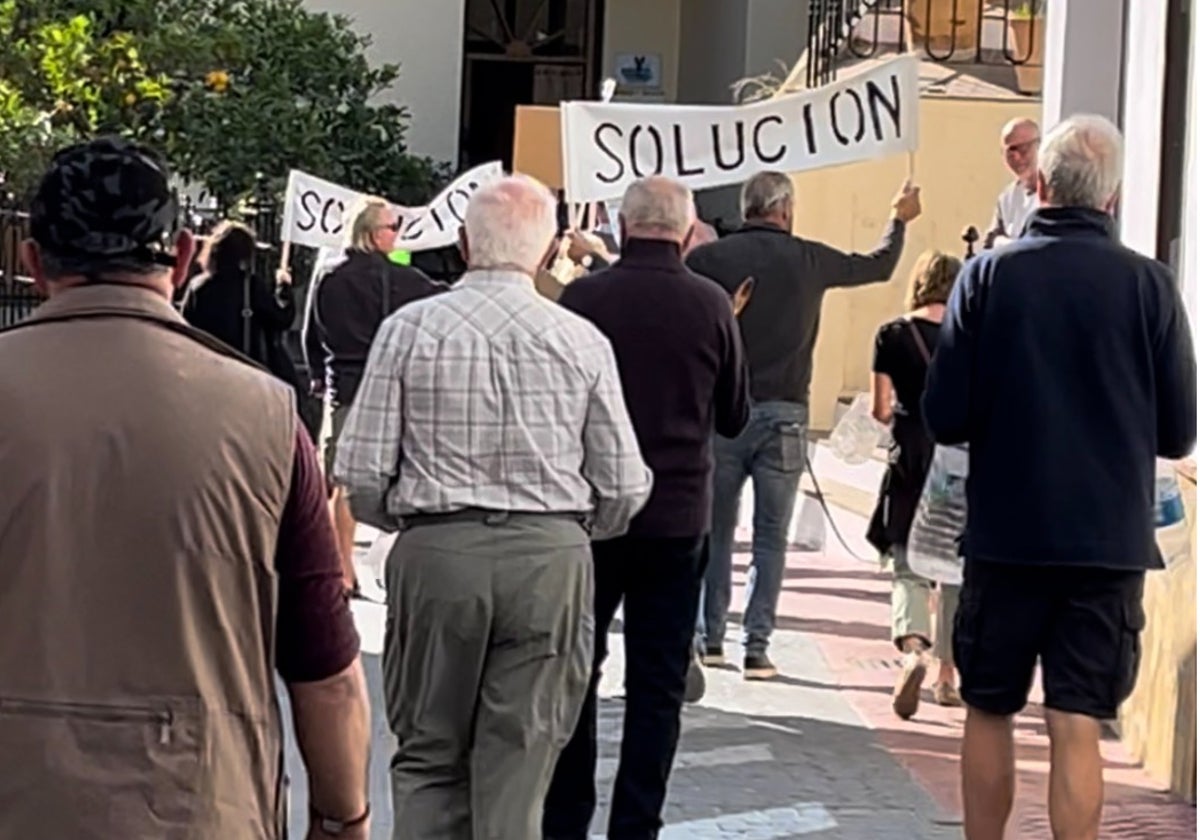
537,144
1158,723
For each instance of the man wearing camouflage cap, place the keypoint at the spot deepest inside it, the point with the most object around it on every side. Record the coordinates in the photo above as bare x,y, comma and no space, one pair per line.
164,547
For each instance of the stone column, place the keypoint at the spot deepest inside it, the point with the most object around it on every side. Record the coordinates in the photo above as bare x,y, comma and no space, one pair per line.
1083,63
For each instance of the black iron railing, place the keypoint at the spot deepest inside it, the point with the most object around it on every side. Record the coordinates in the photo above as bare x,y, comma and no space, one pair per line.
18,297
995,32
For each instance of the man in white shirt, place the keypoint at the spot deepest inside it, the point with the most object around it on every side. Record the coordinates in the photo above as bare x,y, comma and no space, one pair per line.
1020,140
491,429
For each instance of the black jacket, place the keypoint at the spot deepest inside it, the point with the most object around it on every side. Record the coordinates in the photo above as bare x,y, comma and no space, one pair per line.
791,276
1066,363
351,302
682,373
215,304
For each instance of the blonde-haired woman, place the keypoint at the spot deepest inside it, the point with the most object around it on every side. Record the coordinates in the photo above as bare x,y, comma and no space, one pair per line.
348,306
903,349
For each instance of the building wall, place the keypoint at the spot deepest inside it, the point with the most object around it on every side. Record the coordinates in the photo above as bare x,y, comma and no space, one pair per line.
960,171
425,38
1158,723
712,50
1145,57
644,26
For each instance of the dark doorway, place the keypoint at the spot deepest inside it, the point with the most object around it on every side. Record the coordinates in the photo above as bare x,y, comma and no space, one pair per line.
523,52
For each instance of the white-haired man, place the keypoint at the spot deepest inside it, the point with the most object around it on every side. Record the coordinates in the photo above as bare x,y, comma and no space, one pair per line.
1019,140
680,355
1066,363
491,430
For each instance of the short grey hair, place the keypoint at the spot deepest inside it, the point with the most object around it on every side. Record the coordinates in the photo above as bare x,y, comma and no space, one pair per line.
766,193
658,204
1080,161
510,224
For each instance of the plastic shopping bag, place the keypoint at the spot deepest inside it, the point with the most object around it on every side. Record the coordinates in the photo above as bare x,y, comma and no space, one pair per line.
941,518
376,560
856,436
1170,524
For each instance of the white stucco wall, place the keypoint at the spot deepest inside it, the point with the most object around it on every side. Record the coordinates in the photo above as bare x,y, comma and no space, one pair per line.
425,38
1145,68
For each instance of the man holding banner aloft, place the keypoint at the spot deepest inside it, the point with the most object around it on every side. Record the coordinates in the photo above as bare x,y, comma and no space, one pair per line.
779,329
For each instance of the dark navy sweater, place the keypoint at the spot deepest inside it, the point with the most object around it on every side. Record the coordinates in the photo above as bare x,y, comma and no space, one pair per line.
1066,363
682,371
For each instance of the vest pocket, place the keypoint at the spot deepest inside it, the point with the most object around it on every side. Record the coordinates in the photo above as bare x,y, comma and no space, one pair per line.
99,769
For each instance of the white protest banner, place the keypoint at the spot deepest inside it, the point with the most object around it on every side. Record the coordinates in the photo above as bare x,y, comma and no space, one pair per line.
437,225
314,211
607,146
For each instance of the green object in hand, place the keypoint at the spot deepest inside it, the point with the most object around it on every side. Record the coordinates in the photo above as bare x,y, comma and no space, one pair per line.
401,257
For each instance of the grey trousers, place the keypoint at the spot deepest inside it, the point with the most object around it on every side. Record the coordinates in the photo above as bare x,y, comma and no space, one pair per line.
487,657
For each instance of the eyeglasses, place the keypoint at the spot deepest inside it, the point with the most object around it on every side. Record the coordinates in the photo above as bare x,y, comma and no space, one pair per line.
394,226
1022,148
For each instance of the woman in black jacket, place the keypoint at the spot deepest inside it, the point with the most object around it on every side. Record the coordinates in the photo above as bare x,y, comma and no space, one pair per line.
903,349
229,303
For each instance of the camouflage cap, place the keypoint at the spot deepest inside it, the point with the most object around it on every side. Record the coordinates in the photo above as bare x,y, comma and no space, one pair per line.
107,203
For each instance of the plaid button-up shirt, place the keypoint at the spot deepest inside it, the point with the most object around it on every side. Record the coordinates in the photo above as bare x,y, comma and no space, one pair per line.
490,396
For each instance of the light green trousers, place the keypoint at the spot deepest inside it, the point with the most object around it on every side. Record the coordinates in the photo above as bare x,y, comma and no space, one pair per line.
911,613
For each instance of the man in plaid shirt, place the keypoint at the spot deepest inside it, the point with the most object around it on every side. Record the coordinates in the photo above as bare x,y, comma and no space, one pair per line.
491,430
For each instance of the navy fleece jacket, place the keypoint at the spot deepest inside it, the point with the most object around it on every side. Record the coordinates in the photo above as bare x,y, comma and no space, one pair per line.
1066,363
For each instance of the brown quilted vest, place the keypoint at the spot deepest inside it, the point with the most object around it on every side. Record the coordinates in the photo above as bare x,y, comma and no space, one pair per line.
143,474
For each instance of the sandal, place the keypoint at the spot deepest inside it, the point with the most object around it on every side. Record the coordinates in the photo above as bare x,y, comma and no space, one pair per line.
945,694
906,699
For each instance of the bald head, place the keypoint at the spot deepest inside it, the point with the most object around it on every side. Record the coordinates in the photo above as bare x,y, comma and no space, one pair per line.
658,208
510,225
1019,139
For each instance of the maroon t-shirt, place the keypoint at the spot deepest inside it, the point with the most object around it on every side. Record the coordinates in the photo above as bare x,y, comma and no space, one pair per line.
315,628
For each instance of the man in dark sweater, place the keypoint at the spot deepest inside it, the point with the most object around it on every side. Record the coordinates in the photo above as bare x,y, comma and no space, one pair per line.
779,328
1066,363
680,356
350,304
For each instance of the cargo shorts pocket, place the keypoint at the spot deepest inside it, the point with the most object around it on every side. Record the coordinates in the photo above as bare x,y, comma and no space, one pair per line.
1129,659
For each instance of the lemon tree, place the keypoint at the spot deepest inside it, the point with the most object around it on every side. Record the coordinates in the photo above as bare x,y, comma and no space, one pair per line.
227,89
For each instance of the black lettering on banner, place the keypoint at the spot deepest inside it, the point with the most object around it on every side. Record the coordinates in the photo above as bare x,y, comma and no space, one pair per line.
758,149
810,130
598,138
659,154
740,132
877,99
332,204
835,123
681,168
465,197
309,202
412,229
437,218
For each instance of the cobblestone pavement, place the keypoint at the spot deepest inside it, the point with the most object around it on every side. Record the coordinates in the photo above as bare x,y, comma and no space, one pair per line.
816,753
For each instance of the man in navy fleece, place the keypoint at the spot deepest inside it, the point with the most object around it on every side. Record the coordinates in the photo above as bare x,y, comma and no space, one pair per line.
1066,363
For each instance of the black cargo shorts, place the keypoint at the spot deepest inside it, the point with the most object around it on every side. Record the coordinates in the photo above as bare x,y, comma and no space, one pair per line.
1083,624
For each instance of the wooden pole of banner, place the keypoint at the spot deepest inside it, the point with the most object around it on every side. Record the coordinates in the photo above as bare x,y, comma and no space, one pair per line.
285,262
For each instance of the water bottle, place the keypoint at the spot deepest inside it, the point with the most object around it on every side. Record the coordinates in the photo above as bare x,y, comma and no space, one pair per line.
1168,500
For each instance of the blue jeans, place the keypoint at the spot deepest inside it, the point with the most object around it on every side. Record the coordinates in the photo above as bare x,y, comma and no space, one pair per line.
771,452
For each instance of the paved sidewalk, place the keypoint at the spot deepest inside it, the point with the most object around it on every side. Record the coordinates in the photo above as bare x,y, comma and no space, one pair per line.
817,753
